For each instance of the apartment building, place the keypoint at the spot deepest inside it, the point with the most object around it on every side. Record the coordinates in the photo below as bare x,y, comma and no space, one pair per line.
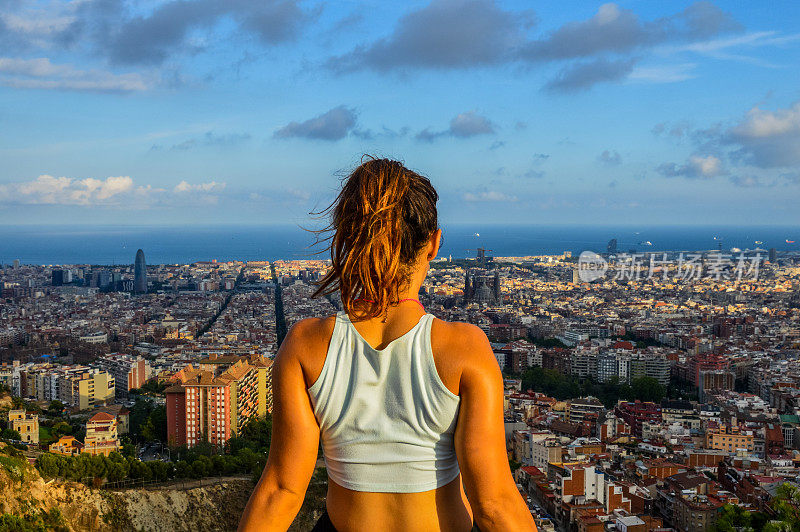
129,371
546,451
212,403
74,385
86,388
584,409
582,482
729,438
199,409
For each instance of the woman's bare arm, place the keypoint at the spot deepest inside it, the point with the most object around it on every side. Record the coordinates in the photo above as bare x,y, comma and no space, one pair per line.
295,439
480,439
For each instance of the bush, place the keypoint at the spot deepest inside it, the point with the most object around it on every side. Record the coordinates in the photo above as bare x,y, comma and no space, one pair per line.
10,434
34,522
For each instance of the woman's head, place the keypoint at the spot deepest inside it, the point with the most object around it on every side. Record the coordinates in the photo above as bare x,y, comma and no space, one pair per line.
382,219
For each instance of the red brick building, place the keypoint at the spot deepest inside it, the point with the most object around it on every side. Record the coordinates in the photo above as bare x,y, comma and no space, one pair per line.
199,409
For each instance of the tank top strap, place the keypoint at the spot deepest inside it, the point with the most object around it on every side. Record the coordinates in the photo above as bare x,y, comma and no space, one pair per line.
334,353
424,354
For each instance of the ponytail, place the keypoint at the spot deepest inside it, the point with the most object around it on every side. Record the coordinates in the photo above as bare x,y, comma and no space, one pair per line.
379,222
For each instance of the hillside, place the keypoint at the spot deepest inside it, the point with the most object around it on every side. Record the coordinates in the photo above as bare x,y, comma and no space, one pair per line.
63,505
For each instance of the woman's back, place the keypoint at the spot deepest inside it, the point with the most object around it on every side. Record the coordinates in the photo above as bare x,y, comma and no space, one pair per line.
387,425
386,420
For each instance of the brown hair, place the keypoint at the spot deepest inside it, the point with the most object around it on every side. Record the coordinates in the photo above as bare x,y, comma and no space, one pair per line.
381,219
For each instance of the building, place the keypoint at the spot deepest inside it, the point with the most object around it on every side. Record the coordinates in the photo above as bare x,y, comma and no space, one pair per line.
546,451
9,373
27,424
578,483
482,288
212,403
122,414
129,371
706,362
75,385
139,273
649,365
66,445
696,512
715,380
86,388
729,438
636,414
243,379
198,409
101,434
584,409
583,364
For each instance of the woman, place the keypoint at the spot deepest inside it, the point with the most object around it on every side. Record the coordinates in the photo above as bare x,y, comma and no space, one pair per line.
409,407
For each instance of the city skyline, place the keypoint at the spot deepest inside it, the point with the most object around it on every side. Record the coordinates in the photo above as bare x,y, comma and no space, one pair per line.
175,112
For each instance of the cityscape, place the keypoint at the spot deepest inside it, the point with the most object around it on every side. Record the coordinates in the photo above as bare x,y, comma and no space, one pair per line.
650,402
616,184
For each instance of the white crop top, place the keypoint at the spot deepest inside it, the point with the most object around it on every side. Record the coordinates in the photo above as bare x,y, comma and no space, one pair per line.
386,418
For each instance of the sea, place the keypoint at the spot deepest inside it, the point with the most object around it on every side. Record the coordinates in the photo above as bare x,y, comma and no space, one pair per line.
109,245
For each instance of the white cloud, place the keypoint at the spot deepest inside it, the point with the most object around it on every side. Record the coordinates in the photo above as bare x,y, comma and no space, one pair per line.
47,189
760,123
211,186
697,166
488,195
708,166
663,73
718,48
767,139
41,73
115,190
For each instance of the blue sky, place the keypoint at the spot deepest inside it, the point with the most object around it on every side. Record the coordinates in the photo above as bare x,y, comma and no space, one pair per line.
574,112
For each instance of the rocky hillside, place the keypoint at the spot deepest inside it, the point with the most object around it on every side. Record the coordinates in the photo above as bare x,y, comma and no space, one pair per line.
72,506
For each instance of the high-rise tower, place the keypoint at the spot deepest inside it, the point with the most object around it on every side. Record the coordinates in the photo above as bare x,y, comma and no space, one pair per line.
139,273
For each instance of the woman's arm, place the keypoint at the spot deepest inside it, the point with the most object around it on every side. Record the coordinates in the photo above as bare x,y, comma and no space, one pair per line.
480,440
295,439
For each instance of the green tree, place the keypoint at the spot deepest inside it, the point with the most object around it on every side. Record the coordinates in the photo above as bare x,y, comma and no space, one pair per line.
183,469
55,408
155,427
647,389
47,464
733,518
202,467
61,428
10,434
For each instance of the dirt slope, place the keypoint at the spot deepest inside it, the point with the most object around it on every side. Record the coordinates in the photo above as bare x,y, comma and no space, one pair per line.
212,508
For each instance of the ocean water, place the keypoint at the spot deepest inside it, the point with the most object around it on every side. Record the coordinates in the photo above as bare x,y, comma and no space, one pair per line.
171,244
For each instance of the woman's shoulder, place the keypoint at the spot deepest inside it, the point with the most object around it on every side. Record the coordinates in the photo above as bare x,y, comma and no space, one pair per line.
312,334
458,335
457,348
309,339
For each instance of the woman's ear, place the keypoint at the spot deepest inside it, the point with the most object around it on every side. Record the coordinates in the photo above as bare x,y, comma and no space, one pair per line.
433,245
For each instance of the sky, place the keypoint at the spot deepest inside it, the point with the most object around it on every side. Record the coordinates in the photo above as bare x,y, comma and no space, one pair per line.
251,112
